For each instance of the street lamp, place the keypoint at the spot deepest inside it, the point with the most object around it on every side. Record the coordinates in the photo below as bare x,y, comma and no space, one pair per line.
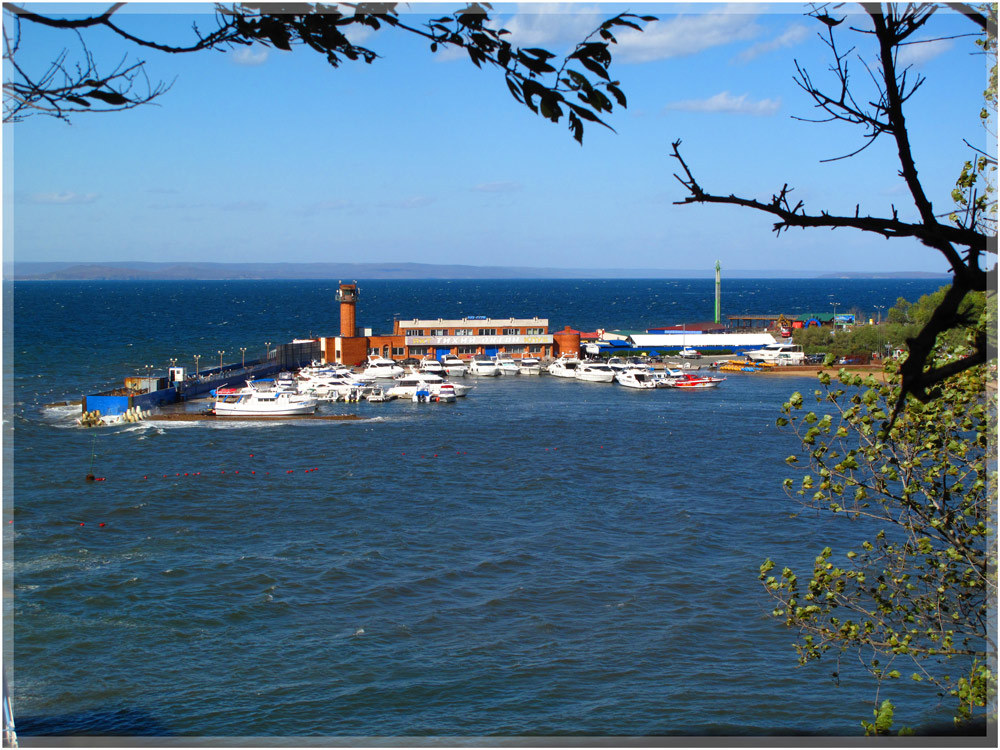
267,350
243,351
834,314
196,358
221,352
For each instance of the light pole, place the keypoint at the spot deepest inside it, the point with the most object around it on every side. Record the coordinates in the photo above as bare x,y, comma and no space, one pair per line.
221,352
196,358
835,315
243,352
881,346
267,350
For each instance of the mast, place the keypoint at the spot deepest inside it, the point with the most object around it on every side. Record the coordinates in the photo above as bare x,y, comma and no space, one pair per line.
718,290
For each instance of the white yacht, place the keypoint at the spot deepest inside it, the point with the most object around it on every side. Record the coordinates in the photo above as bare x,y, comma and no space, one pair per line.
594,372
779,354
529,366
454,366
407,385
480,365
565,366
443,394
429,364
382,368
254,401
636,378
505,364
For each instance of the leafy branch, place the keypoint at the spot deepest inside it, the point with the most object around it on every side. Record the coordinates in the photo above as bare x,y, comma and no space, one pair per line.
580,89
966,245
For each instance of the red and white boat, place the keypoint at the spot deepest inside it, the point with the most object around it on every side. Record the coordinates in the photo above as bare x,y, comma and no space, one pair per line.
677,379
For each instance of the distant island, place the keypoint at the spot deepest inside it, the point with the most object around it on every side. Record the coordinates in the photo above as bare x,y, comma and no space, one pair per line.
150,271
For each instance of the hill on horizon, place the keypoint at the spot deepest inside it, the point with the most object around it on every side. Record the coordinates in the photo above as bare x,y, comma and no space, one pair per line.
205,271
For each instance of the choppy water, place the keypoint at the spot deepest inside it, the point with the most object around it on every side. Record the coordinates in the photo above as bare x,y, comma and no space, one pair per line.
542,557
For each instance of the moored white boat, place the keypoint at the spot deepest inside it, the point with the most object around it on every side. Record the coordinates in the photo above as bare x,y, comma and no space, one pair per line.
529,366
407,385
429,364
443,393
454,366
778,354
483,366
382,368
565,366
594,372
253,401
377,394
505,364
636,378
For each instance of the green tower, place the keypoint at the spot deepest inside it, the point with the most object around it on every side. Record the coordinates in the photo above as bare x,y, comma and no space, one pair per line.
718,290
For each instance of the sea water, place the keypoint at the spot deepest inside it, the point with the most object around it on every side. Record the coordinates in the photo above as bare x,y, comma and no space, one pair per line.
540,558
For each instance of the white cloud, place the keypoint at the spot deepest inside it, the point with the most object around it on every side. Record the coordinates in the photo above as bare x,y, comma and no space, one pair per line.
687,35
250,55
62,199
793,35
727,103
551,24
920,52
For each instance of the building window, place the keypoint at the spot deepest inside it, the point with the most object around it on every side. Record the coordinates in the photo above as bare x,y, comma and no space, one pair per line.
511,331
467,350
535,332
515,348
418,351
398,351
463,332
487,331
414,331
439,332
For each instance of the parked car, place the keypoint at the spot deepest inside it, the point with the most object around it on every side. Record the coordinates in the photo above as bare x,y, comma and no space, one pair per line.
815,359
854,359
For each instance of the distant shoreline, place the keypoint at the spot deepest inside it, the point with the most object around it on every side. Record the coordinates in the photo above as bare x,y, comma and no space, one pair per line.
145,271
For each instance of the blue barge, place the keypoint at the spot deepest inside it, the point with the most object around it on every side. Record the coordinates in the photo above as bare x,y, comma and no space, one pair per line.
151,392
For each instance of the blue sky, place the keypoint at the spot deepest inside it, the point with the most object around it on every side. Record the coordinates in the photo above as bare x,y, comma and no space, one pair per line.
262,155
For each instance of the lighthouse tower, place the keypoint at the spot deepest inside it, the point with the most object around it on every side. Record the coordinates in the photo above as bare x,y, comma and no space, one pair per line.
347,295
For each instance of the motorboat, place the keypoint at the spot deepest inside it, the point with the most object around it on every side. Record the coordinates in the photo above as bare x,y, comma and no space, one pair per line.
429,364
377,394
454,366
505,364
382,368
254,401
594,372
443,394
407,385
679,379
529,366
564,367
688,353
779,354
636,378
483,366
